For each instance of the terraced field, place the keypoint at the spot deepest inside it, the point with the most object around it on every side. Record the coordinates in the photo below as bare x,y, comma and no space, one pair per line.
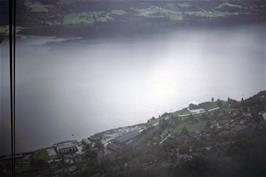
39,17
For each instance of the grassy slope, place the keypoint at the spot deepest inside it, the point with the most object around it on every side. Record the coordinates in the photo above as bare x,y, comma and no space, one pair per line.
191,126
41,155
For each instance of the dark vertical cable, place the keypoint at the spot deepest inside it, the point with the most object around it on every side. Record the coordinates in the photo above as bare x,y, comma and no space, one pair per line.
14,83
14,43
12,40
11,83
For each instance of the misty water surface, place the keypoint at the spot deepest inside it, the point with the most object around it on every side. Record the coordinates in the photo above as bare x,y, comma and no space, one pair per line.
73,88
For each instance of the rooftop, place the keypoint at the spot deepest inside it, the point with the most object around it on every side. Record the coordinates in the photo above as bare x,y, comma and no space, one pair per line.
128,136
65,145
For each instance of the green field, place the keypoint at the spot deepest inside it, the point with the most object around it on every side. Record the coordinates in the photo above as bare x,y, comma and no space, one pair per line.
158,12
191,126
36,6
209,14
184,5
230,5
5,29
41,155
184,111
118,12
86,18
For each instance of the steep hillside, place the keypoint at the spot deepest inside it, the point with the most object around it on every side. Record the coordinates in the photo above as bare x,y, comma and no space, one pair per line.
228,141
215,138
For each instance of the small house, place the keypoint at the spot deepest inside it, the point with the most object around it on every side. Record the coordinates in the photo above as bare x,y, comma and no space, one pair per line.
66,147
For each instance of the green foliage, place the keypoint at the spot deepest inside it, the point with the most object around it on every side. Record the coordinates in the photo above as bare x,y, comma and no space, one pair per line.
118,12
5,29
158,12
78,19
52,22
245,156
209,14
191,126
154,120
23,167
41,155
39,167
209,105
91,163
86,18
184,111
197,166
184,5
230,5
36,6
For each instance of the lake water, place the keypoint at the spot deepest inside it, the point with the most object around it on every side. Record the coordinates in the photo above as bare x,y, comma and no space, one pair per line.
73,88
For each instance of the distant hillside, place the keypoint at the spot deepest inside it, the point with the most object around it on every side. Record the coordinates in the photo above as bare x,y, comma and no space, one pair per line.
92,18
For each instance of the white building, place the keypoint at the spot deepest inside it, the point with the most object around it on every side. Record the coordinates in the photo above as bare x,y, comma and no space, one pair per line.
51,152
196,111
66,147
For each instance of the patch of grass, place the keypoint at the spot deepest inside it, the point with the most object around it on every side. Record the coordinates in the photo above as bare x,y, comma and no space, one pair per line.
184,5
52,22
171,6
158,12
209,14
230,109
22,166
36,6
118,12
154,121
104,18
41,155
5,29
66,1
191,126
175,17
78,19
230,5
209,105
86,18
182,112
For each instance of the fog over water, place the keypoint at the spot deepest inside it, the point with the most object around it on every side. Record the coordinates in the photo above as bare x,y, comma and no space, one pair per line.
82,87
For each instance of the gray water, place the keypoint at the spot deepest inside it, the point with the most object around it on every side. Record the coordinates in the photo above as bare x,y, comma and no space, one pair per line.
68,88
